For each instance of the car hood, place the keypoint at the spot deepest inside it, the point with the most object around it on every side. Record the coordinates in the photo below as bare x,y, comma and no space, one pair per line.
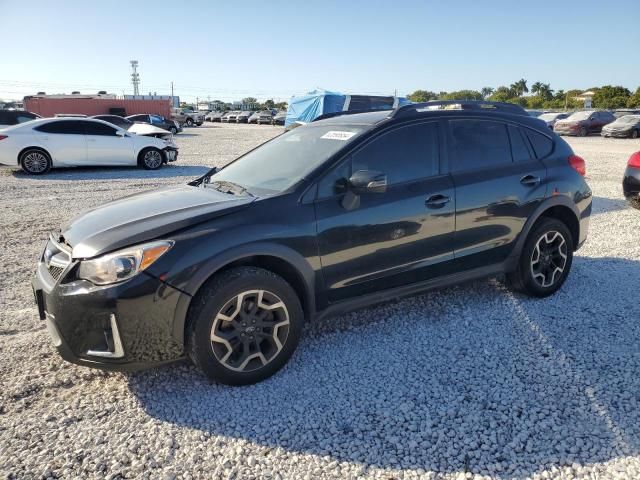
146,216
146,129
620,126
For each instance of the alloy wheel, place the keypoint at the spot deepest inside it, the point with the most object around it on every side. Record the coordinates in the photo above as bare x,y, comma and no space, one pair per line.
152,159
250,330
549,259
35,162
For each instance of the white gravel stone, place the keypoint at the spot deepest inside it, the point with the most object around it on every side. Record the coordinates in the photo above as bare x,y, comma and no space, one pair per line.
469,382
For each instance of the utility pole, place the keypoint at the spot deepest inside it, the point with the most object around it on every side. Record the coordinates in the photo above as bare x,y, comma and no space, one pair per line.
135,77
196,104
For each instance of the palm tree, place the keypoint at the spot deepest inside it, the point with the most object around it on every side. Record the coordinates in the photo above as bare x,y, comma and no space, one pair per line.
535,88
486,92
520,87
544,91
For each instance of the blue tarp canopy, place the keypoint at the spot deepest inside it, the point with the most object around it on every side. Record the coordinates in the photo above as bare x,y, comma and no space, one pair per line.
312,105
319,102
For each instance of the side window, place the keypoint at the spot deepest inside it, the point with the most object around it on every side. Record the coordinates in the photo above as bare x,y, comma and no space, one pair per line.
24,117
542,145
519,149
334,182
95,128
478,144
362,102
140,118
69,127
5,118
156,119
404,154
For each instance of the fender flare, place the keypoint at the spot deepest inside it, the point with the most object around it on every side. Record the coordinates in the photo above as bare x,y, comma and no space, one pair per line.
555,201
215,264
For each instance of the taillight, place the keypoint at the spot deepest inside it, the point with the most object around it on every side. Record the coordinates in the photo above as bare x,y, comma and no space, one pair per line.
577,163
634,160
2,137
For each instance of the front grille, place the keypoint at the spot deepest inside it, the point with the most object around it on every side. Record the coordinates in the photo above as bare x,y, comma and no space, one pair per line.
55,272
56,257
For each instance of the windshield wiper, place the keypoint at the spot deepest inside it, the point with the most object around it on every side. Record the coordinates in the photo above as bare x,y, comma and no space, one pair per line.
225,186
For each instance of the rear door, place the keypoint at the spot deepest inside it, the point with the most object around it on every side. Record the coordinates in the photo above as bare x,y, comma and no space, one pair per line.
65,141
398,237
105,147
498,184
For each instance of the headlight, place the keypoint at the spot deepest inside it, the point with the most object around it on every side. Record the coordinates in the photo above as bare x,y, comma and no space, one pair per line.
123,264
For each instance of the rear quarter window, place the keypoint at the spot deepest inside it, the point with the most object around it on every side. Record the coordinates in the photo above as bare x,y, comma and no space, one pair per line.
542,145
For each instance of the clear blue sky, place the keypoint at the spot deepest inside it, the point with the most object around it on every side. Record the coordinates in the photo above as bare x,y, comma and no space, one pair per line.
277,48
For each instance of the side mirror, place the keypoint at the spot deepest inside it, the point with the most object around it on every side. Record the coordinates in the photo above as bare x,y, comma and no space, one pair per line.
368,181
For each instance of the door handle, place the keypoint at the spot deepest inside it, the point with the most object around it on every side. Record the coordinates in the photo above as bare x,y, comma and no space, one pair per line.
530,180
437,201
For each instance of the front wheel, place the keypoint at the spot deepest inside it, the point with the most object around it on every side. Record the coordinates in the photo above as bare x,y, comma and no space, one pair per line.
583,132
173,130
35,161
151,159
189,122
244,326
545,260
634,134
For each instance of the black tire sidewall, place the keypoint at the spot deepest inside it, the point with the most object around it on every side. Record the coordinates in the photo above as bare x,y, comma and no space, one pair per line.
189,122
528,283
144,152
213,296
31,150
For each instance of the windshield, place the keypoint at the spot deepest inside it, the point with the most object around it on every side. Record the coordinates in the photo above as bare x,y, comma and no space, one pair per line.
284,161
579,116
629,119
549,116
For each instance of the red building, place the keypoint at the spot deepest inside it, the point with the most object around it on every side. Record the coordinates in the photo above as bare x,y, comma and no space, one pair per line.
51,105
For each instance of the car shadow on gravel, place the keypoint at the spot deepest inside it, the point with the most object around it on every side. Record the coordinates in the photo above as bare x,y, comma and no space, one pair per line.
116,173
606,205
468,379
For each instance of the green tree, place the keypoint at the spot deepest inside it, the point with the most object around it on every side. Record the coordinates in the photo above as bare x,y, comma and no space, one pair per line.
486,92
611,97
542,90
520,87
502,94
535,88
420,96
463,95
281,105
269,104
634,100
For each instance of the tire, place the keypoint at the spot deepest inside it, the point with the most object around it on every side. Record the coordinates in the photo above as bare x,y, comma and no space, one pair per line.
583,132
238,362
634,134
151,159
189,122
634,202
173,130
548,232
35,161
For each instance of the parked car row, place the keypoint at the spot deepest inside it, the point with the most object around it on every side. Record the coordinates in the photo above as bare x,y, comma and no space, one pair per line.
262,117
38,145
623,123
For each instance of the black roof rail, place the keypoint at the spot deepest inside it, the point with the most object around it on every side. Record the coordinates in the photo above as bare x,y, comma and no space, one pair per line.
350,112
483,105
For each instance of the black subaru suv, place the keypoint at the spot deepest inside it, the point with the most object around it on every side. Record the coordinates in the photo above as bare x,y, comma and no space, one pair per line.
347,211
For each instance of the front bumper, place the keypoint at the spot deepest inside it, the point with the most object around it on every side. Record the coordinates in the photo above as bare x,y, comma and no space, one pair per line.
616,133
631,184
171,154
126,326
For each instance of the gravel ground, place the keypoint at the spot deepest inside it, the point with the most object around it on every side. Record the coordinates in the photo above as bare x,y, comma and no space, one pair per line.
467,382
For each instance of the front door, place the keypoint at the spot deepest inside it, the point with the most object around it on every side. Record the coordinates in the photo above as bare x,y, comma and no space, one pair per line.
105,147
389,239
498,184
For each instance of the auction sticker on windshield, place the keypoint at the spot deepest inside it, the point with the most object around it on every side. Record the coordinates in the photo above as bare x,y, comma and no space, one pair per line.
338,135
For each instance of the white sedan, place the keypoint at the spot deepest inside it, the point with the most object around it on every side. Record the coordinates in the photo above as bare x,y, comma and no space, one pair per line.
39,145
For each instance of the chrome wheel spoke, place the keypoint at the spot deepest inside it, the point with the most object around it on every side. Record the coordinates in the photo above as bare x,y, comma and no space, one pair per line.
250,330
549,259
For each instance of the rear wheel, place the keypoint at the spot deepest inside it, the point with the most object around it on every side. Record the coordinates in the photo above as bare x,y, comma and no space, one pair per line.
634,134
35,161
189,122
545,260
151,159
583,132
244,326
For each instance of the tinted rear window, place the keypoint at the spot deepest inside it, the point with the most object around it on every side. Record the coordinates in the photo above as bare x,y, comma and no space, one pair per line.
72,127
96,128
479,144
362,102
542,145
519,148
